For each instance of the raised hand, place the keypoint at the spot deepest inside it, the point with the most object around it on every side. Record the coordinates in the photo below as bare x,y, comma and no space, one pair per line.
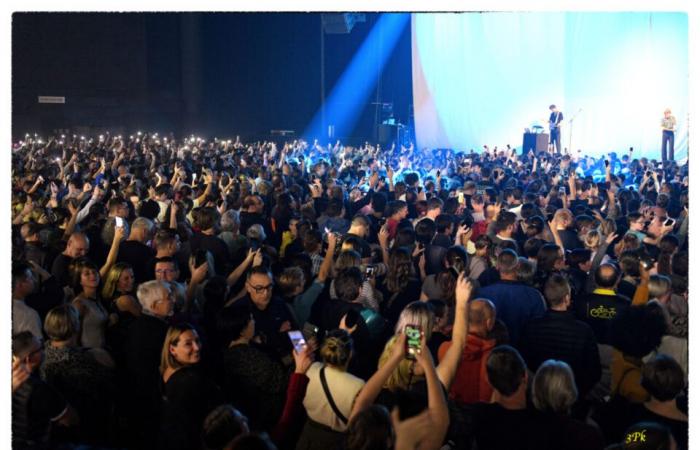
463,290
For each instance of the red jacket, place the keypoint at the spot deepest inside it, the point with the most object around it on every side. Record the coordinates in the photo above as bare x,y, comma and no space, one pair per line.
471,383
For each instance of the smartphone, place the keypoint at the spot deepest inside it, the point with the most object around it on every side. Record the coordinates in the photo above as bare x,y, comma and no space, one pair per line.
297,339
607,163
370,270
120,221
309,331
438,173
413,335
669,222
460,198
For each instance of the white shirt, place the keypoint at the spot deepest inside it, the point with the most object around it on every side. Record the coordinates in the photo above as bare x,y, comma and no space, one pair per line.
343,387
25,318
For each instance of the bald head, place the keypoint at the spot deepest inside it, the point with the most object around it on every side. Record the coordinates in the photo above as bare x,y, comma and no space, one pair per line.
482,316
78,245
607,276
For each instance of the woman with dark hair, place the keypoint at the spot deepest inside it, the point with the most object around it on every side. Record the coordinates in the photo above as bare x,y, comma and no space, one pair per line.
668,246
282,212
371,429
85,281
441,285
400,286
188,396
550,260
535,227
253,381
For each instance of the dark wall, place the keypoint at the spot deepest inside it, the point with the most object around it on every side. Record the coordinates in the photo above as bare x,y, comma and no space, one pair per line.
212,74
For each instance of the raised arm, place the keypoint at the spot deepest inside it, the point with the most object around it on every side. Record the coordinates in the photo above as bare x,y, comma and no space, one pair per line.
113,251
327,263
209,181
437,405
555,233
447,368
242,267
374,385
383,238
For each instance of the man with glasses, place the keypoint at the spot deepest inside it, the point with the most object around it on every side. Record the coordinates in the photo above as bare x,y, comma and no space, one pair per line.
272,316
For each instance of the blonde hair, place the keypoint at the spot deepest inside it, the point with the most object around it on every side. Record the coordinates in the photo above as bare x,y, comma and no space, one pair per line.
172,337
112,279
62,323
553,387
592,239
418,314
337,349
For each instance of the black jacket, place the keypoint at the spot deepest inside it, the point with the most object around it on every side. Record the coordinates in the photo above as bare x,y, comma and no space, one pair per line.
558,335
598,310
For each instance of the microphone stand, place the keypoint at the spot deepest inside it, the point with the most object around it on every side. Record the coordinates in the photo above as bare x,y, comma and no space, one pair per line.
571,127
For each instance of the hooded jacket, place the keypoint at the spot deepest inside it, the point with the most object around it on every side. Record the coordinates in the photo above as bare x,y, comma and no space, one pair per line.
471,383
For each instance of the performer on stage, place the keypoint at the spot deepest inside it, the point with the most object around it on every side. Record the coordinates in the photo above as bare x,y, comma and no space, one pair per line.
555,119
668,125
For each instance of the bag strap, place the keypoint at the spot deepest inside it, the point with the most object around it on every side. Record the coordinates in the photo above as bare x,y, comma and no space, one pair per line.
619,383
329,397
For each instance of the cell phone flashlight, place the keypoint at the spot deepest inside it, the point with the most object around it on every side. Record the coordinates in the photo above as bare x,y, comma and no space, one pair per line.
120,221
297,339
413,335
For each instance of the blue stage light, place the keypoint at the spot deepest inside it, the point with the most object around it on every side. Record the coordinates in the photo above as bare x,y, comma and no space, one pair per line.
349,96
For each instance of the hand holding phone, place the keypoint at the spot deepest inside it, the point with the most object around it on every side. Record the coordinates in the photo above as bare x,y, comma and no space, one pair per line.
413,341
298,341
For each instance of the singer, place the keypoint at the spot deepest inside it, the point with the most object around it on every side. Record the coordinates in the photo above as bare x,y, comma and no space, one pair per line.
668,127
555,119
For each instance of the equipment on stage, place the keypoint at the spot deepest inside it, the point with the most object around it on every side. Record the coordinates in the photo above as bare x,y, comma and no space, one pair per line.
537,142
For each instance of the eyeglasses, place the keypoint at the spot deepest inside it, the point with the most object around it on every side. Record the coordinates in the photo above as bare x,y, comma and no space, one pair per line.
164,271
261,289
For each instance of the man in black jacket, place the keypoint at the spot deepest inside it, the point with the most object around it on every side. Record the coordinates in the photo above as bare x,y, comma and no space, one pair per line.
603,304
558,335
273,319
144,342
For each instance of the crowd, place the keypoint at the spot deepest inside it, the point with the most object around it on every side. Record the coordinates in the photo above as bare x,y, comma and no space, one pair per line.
193,294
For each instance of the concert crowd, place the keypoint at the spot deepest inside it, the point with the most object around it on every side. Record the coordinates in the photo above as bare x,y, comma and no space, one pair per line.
214,294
